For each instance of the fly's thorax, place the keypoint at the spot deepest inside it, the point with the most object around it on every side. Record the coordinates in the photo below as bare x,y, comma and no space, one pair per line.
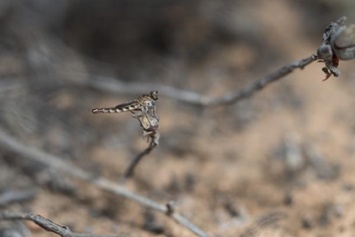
148,122
148,103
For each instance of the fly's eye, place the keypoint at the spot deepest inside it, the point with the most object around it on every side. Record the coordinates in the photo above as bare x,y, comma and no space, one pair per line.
154,95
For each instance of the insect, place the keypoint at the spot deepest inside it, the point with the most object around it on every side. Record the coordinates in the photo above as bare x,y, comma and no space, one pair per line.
144,109
338,44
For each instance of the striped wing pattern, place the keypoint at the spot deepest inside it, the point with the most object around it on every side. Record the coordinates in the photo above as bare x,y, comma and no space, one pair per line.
129,106
132,106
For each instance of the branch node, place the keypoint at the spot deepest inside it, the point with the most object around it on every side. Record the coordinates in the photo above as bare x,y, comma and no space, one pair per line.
170,208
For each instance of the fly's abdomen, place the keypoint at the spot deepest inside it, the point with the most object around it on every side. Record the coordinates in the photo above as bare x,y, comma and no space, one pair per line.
109,110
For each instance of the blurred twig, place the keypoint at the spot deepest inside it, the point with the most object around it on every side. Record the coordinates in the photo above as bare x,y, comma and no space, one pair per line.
113,85
11,84
46,224
15,196
263,222
130,170
54,162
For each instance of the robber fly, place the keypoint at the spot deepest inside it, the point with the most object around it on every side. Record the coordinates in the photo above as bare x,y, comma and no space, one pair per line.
143,108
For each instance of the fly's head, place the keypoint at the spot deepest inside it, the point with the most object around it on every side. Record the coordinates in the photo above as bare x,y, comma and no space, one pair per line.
154,95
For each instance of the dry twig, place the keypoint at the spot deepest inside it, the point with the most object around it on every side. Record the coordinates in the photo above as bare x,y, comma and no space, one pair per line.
16,196
54,162
47,224
268,220
113,85
130,170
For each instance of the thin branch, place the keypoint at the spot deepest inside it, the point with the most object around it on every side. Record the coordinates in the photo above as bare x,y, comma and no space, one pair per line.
263,222
113,85
253,87
117,86
54,162
16,196
10,84
46,224
130,170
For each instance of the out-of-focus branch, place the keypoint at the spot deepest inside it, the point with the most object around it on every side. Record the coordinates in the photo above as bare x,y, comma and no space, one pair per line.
15,196
115,86
47,224
54,162
9,84
130,170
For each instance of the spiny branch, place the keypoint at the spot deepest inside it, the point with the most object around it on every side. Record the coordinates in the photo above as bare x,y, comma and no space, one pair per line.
47,224
54,162
248,90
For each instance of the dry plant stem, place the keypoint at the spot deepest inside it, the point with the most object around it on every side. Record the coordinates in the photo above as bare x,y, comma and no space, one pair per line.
264,222
9,84
54,162
253,87
115,86
16,196
130,170
45,223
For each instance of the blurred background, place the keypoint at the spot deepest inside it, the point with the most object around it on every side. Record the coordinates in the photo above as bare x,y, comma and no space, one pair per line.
277,164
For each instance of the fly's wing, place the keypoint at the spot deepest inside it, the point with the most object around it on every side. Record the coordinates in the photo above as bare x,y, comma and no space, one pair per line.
129,106
344,43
